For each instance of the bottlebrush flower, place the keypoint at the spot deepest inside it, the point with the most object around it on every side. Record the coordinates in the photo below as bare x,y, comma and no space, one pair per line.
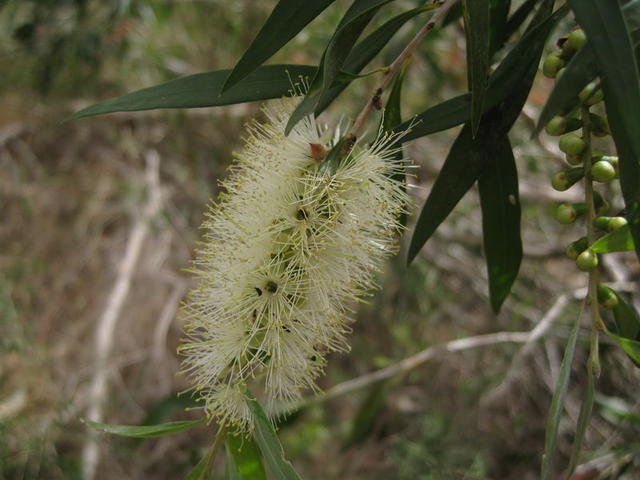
287,248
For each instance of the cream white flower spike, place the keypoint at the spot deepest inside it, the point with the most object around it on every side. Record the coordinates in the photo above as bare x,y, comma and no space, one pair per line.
287,248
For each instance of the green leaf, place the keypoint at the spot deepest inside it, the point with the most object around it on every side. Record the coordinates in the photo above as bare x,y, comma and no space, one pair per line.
366,50
617,408
243,459
267,440
459,172
627,319
498,16
557,402
630,347
584,418
203,90
145,431
287,19
514,74
516,20
476,26
619,240
342,41
608,34
498,185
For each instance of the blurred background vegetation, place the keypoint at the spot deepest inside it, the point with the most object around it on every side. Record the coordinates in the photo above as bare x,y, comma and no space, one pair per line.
70,195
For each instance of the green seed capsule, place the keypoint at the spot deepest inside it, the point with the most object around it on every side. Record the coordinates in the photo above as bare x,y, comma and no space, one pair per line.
560,73
603,171
564,180
551,65
587,261
576,40
572,144
568,213
591,94
607,297
576,248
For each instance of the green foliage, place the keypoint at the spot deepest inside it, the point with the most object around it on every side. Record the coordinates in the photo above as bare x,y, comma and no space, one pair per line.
145,431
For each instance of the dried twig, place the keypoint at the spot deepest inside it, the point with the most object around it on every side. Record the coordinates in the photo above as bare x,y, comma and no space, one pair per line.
107,322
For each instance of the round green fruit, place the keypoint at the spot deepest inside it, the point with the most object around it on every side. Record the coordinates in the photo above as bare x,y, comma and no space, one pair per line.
572,144
576,39
603,171
551,65
556,126
587,261
566,214
616,222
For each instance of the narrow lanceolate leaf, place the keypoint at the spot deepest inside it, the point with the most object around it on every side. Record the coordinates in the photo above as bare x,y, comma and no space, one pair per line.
498,17
458,174
608,34
584,419
498,185
627,319
287,19
145,431
366,50
243,459
630,347
557,402
203,90
516,20
342,41
514,74
270,447
620,240
476,26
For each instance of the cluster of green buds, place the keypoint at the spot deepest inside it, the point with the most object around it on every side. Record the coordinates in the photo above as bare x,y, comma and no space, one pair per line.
585,164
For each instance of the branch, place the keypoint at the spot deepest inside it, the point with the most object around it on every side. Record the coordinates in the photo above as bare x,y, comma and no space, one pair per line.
115,302
397,63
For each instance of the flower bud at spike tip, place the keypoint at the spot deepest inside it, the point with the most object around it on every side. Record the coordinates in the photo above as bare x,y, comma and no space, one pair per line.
318,152
551,65
568,213
607,296
576,39
564,180
587,261
576,248
572,144
556,126
603,171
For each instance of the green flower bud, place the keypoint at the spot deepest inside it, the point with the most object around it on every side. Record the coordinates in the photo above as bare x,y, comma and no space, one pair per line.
564,180
591,94
607,297
602,223
568,213
595,97
572,144
603,171
560,73
576,248
575,40
551,65
587,261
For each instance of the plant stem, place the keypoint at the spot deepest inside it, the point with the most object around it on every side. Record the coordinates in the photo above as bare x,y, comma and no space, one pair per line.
211,454
592,294
397,63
